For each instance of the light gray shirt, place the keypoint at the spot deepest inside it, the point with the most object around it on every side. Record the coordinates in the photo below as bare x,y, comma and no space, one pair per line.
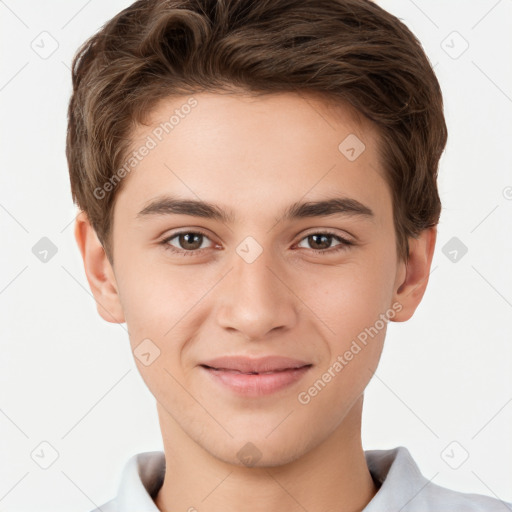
402,487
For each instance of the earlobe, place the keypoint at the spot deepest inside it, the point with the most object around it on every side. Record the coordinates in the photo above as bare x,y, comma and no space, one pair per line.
98,271
411,288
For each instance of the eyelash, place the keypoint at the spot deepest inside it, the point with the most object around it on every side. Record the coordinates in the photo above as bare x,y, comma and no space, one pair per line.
344,243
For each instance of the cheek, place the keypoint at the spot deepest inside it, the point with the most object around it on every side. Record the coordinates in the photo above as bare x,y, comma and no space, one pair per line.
347,298
160,305
167,306
349,309
156,296
352,304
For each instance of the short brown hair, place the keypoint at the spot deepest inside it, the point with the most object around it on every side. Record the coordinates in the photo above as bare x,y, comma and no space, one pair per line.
351,51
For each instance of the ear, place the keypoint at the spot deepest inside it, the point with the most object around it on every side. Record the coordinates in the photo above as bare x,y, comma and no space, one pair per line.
98,270
412,278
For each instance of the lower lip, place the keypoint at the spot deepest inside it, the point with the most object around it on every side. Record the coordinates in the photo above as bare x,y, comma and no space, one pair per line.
257,384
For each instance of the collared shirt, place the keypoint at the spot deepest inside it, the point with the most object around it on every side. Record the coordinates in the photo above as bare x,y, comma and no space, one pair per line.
402,487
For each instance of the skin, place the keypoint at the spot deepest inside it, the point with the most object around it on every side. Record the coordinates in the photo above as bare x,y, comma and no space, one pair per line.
256,156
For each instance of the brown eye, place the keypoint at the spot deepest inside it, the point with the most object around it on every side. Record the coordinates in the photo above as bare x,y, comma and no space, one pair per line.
321,242
186,242
190,241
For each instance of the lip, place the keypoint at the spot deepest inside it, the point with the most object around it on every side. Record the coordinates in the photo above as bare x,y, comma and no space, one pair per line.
273,373
246,364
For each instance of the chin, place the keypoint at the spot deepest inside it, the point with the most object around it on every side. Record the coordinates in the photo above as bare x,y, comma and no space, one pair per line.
255,451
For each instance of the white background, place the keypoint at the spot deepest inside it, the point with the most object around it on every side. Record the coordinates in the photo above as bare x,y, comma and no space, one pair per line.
68,377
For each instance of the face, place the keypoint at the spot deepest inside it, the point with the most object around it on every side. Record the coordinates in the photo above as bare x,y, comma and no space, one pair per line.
253,273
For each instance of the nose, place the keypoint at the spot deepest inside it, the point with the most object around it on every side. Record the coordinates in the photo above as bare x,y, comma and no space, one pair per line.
256,298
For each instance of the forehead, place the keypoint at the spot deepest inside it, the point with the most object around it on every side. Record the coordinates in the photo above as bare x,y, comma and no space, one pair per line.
268,150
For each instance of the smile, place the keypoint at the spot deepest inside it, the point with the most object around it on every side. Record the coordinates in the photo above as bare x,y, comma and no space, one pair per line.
254,384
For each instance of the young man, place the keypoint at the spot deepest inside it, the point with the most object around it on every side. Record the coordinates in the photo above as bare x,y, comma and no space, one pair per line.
257,185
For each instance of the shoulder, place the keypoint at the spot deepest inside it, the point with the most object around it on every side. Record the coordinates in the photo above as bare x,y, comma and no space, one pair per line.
404,488
440,498
141,478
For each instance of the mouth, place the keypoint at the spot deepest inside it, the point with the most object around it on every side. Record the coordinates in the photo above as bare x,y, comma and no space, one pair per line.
252,365
250,382
231,370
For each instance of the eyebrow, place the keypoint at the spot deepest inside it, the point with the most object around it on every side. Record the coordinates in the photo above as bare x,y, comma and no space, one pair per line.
167,205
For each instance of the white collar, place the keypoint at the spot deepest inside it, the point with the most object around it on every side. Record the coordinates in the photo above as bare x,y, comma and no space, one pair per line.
142,477
402,486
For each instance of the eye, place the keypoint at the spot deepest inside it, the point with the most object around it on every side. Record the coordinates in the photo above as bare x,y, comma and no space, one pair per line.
188,242
320,242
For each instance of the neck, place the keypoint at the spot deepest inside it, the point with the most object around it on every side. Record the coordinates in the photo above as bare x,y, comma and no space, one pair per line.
331,476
